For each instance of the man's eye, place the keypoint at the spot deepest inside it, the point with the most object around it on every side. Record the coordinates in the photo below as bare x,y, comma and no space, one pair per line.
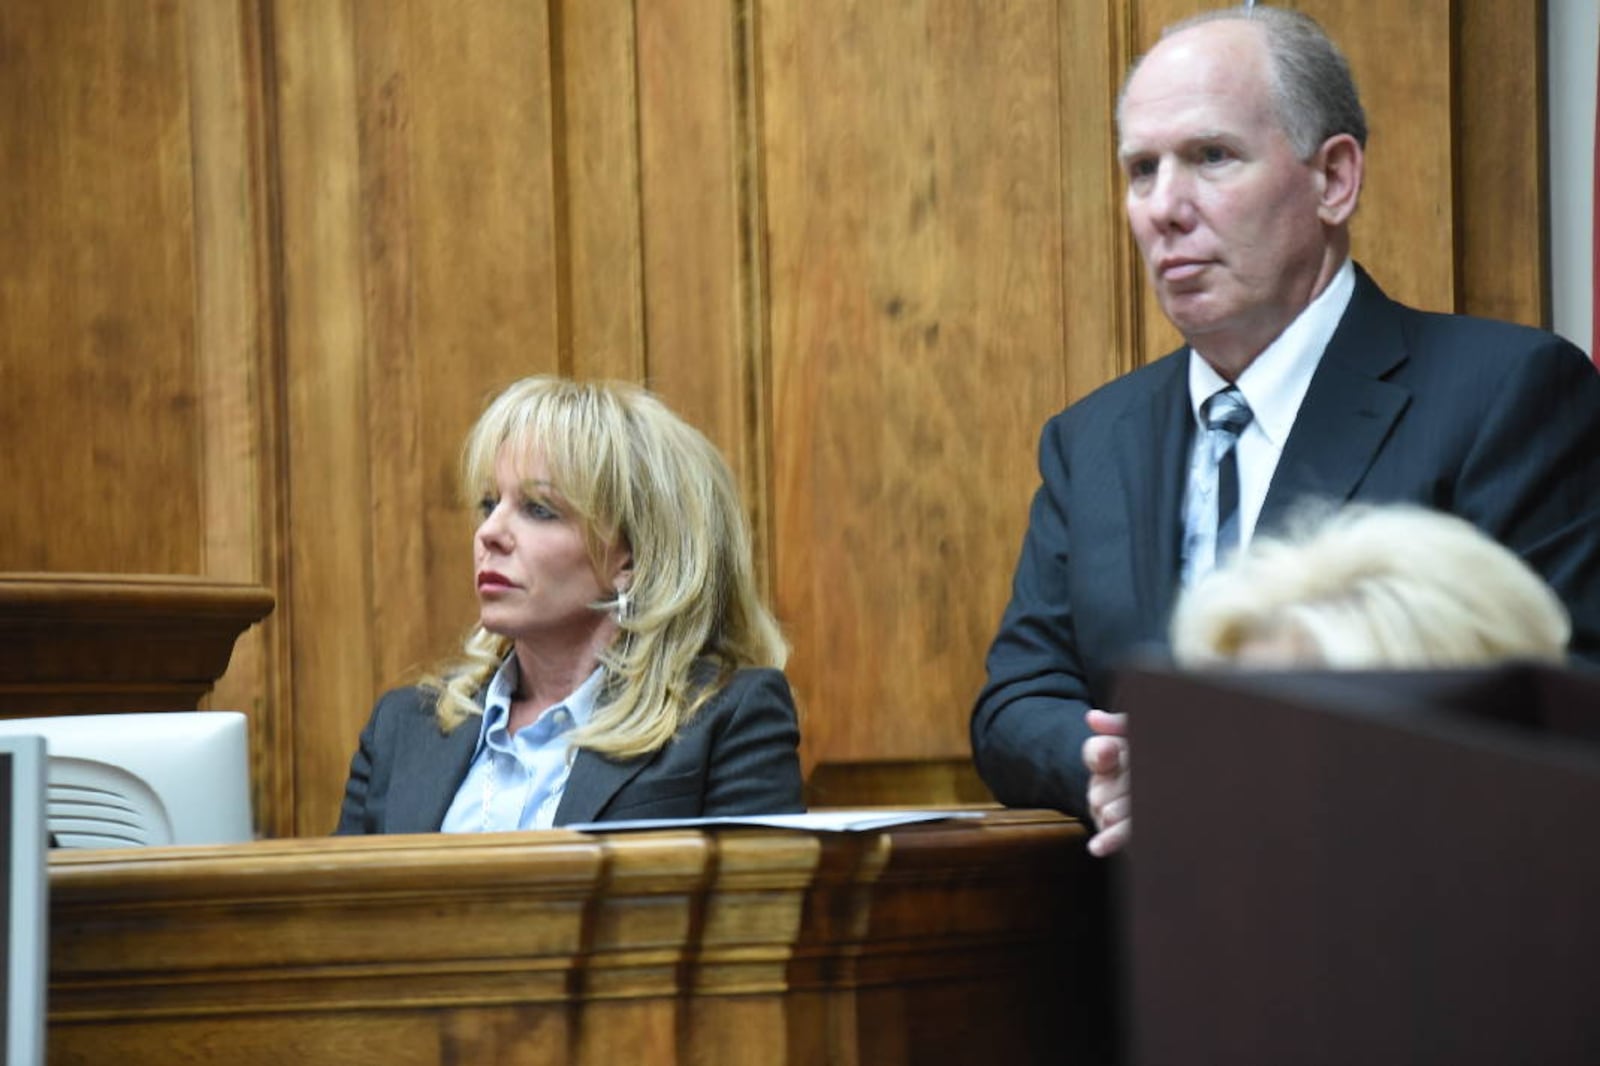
1141,168
1212,153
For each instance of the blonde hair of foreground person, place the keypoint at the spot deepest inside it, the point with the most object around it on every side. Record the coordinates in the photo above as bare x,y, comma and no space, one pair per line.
637,475
1371,587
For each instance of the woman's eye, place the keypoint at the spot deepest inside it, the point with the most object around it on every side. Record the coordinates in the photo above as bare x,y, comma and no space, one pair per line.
487,505
537,510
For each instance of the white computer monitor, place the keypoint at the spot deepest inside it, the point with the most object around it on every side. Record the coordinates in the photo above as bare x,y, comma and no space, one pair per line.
130,780
26,887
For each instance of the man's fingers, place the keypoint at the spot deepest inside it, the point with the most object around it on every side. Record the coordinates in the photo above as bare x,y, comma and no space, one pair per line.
1103,788
1107,723
1109,803
1111,840
1105,755
1115,810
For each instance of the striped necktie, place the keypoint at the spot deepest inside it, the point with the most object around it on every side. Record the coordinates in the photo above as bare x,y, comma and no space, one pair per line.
1211,511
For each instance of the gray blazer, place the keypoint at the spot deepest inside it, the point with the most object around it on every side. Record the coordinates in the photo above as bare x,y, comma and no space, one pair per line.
738,755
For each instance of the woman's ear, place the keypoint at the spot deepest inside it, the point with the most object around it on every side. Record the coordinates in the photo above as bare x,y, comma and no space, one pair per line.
622,582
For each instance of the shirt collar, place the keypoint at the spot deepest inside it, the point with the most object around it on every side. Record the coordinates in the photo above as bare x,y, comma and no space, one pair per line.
503,686
1276,381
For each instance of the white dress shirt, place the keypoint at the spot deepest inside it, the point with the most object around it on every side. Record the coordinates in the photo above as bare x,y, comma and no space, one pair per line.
1274,384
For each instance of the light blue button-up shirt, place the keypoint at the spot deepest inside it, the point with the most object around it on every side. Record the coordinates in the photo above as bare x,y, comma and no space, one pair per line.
517,781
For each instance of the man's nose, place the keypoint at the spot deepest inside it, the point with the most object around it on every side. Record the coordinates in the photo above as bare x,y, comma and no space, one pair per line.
1171,198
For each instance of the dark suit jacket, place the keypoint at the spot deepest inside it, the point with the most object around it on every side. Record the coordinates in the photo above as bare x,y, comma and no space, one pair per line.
738,755
1494,422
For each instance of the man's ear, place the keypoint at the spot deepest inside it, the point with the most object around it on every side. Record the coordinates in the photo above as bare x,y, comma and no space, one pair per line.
1339,165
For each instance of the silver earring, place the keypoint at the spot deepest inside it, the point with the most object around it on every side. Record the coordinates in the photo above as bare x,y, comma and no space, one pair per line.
624,605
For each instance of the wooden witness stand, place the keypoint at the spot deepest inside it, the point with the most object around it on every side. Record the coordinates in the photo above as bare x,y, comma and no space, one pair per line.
949,942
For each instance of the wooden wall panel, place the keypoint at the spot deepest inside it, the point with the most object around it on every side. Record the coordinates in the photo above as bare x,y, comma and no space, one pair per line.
99,398
1404,230
1101,332
420,229
700,221
1499,122
326,447
459,223
595,88
234,300
135,387
914,216
265,259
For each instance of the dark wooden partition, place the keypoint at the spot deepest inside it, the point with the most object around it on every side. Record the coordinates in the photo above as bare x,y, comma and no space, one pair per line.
1405,873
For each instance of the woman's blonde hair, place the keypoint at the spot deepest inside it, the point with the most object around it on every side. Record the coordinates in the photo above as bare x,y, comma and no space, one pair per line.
638,477
1375,586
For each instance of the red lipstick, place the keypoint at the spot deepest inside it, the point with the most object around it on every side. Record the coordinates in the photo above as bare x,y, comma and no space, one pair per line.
490,579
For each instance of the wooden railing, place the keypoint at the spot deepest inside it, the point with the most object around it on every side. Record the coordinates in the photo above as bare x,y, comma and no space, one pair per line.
960,941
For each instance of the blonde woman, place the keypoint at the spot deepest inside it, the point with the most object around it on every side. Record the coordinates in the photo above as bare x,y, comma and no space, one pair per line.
1368,587
1372,587
623,665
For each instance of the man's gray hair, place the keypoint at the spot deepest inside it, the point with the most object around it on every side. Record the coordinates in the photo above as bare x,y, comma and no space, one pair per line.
1313,90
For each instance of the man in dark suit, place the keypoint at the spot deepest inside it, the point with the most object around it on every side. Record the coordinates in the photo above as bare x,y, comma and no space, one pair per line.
1242,141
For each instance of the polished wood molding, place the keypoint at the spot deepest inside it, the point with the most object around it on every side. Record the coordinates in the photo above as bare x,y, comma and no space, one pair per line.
929,782
943,942
101,643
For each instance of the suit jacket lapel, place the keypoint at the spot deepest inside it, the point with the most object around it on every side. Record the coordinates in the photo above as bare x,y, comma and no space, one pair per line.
591,783
1348,411
1153,440
430,772
594,779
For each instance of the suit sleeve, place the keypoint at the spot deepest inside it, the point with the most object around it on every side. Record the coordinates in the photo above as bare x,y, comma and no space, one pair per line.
754,767
1028,727
1531,479
367,783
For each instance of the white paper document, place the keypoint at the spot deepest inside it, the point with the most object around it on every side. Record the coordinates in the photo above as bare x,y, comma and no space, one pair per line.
831,821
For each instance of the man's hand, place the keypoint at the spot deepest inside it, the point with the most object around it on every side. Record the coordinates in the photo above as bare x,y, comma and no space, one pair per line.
1110,781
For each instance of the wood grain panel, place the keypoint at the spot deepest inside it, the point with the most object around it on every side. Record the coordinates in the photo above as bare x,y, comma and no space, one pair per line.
1502,209
238,370
741,947
698,222
596,106
388,81
99,401
420,222
915,224
1100,264
486,273
328,476
1403,62
266,260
